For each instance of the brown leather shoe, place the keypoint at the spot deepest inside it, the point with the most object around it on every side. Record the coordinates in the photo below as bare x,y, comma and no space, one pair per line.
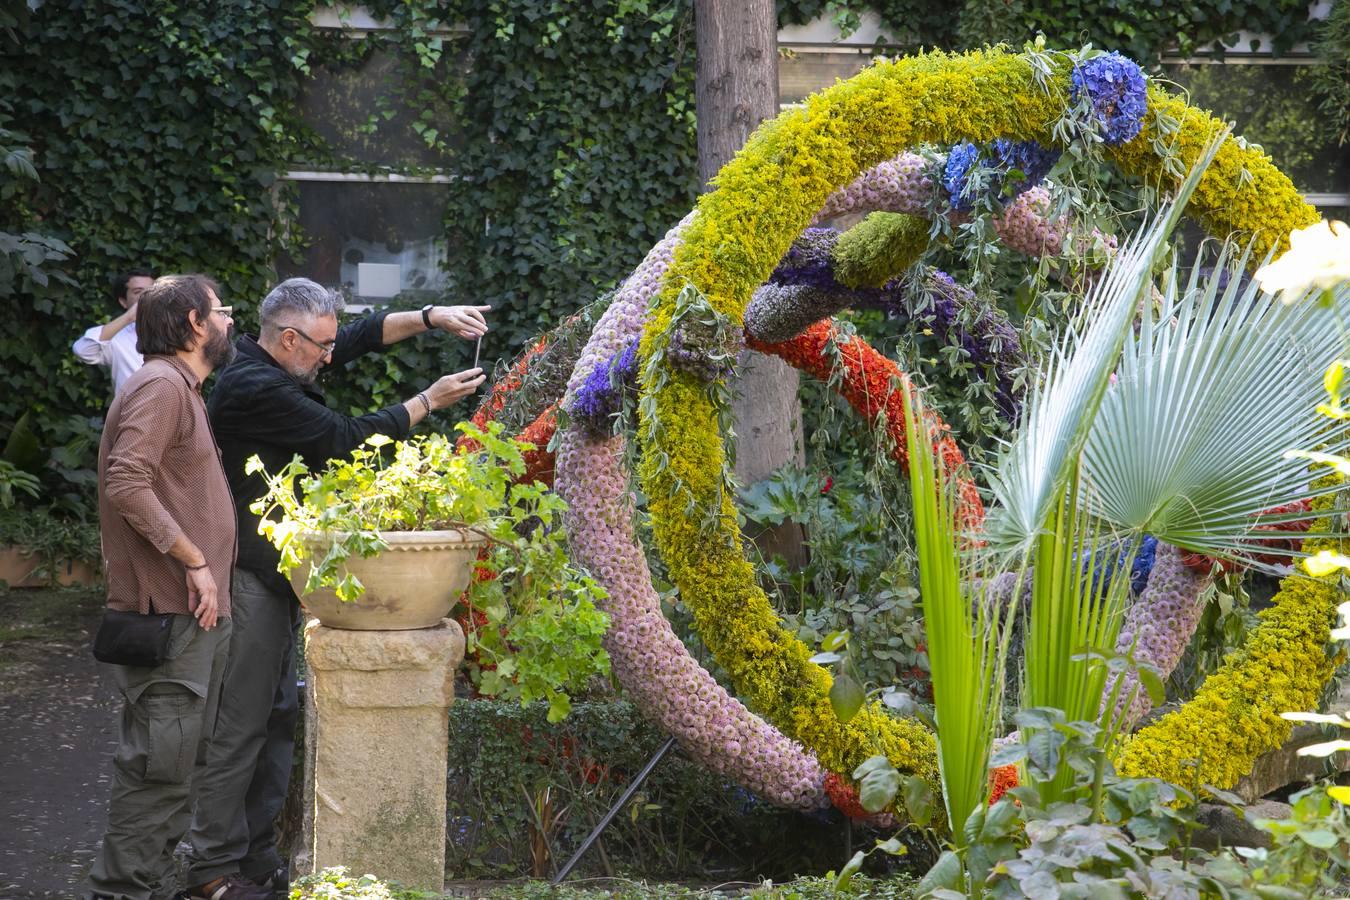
230,887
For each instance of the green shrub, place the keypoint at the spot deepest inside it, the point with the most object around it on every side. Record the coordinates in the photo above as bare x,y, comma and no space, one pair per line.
524,794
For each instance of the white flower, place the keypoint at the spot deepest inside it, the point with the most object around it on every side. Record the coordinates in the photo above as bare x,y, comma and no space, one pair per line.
1318,256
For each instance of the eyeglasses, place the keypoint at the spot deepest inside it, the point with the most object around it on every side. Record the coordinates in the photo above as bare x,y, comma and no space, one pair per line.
226,311
325,346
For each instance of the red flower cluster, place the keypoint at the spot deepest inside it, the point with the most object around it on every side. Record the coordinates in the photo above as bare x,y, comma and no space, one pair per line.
867,386
1203,563
496,399
844,796
1001,780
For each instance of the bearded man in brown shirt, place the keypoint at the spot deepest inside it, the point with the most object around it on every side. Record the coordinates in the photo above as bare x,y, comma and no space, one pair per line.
168,529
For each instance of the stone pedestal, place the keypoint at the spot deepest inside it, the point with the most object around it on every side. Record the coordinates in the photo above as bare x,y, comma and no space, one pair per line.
377,734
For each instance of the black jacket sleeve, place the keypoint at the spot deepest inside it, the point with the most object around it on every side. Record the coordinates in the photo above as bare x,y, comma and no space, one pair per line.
359,337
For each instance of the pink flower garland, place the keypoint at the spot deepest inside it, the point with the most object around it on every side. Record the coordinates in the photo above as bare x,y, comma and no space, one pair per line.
648,658
901,185
1158,626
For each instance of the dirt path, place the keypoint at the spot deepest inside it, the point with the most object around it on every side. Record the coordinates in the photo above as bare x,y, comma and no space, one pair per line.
58,729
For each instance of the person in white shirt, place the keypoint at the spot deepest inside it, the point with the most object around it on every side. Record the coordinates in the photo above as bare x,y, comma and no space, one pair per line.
113,344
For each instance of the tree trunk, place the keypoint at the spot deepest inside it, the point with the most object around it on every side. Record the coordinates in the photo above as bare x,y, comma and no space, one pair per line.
736,89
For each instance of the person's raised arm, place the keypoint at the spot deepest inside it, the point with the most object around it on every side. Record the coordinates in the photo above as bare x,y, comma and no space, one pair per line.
447,390
466,321
117,324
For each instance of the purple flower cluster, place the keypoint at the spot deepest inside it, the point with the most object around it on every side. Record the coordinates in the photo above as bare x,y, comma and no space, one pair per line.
1118,92
649,660
1028,157
810,260
977,339
600,396
1158,626
702,350
780,312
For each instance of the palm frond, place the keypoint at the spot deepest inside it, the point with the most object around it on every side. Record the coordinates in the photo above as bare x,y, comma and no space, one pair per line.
1189,444
1031,473
967,635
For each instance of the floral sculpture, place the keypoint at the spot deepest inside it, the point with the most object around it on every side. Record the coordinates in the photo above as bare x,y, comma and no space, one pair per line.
764,199
844,152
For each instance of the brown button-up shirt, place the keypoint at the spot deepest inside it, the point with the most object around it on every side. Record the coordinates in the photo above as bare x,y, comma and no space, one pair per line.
160,476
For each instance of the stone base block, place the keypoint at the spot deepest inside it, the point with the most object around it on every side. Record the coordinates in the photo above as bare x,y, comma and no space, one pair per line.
377,767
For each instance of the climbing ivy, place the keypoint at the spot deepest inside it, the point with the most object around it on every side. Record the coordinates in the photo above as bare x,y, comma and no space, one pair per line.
161,149
570,129
568,125
1141,29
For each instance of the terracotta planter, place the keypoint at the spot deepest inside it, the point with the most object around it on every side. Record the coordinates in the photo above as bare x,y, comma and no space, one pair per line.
412,584
18,568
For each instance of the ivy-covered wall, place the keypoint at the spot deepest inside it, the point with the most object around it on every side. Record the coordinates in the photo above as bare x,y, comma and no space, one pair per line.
1139,28
154,132
158,129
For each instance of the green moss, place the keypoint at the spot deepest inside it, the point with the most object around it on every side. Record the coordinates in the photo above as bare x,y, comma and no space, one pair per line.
879,248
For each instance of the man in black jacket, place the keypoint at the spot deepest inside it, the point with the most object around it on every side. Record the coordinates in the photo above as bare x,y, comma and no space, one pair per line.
266,403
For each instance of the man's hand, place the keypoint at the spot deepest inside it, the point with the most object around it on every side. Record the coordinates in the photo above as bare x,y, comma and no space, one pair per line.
201,588
451,388
465,321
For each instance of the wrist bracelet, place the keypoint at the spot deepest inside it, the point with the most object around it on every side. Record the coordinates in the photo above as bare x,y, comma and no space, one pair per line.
422,395
195,568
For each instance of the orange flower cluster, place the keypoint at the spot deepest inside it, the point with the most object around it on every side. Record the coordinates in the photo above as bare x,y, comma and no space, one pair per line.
1001,780
539,461
875,386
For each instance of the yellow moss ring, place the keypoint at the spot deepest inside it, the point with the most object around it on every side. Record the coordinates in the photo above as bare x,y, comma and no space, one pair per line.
763,199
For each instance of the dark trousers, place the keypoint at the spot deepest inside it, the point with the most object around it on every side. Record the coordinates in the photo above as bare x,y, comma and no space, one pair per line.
249,762
167,714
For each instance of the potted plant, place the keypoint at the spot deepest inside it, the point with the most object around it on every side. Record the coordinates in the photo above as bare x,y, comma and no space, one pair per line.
389,539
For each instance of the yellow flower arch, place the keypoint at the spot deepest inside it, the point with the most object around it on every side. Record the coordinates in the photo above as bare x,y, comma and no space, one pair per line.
763,199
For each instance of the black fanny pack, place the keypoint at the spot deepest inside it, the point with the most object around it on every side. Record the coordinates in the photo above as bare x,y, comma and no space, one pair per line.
132,639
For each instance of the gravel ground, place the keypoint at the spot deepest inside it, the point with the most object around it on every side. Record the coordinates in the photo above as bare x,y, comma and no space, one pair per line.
58,729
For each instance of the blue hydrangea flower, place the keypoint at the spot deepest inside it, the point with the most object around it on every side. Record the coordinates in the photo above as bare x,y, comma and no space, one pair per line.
1143,563
1116,87
960,160
1033,160
1029,157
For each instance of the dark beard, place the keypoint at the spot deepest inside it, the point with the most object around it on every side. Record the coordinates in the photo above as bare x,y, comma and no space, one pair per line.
219,349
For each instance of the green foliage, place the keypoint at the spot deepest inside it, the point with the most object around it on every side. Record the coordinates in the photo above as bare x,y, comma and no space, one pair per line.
684,822
13,482
542,634
581,152
913,23
163,153
967,635
858,577
543,630
338,883
428,485
1332,80
1138,28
